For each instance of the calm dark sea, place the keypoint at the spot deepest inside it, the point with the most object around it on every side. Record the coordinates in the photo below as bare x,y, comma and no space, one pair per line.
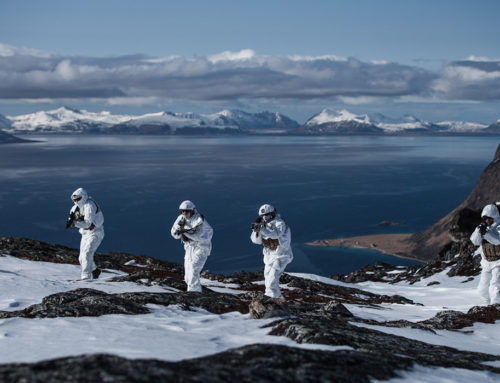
325,187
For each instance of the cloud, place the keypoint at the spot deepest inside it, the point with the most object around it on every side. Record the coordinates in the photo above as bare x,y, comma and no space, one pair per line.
474,79
236,76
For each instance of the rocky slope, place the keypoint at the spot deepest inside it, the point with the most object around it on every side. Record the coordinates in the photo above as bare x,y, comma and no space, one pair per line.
450,235
447,237
314,313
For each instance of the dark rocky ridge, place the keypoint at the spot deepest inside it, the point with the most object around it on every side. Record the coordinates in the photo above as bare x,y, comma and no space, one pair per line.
6,138
313,313
450,235
253,364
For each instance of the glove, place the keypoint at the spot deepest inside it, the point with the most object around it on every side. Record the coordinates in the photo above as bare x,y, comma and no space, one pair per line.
482,229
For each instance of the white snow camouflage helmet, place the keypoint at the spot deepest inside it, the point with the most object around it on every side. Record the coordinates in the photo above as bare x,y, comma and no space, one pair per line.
266,209
187,205
491,211
80,193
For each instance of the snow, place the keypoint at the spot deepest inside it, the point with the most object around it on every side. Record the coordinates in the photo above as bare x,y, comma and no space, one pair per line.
484,337
63,116
461,126
394,125
327,116
168,333
450,294
421,374
172,334
69,120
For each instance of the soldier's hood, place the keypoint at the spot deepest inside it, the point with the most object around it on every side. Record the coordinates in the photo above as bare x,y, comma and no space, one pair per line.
491,211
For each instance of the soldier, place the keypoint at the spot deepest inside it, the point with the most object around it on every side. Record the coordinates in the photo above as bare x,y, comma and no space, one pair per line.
196,235
273,233
487,236
87,216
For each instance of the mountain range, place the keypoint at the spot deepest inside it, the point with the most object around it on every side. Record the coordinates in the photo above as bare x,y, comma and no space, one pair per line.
67,120
326,122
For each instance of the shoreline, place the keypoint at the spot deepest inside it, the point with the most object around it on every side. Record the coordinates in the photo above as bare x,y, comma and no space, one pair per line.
396,245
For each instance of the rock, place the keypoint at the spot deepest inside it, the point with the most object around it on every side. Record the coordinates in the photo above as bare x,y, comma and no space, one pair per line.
454,320
268,308
259,363
389,223
371,342
335,309
217,303
78,303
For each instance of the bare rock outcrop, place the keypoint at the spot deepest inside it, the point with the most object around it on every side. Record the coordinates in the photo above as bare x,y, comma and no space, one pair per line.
450,234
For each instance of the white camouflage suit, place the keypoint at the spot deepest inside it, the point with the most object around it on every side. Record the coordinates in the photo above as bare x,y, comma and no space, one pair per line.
275,261
197,245
91,229
489,284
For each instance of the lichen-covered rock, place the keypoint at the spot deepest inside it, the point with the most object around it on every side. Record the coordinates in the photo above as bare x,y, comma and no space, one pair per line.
454,320
217,303
267,308
342,333
78,303
259,363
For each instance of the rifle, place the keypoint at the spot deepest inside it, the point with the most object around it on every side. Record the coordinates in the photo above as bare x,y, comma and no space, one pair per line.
258,224
73,216
181,229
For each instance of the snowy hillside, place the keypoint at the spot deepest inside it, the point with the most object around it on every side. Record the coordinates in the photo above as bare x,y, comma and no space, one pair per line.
63,119
327,116
333,329
345,121
461,126
66,120
405,123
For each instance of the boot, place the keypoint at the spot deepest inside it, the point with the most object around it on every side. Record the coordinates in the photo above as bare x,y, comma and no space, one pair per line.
96,273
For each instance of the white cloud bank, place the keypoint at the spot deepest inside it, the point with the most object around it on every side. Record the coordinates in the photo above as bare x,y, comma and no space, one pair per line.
244,75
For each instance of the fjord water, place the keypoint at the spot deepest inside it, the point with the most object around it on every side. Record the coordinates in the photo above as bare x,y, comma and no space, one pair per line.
325,187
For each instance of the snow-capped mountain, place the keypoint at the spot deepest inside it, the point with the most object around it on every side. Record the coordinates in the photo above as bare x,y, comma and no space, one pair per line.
345,122
462,126
67,120
62,120
404,123
493,128
258,121
327,116
339,122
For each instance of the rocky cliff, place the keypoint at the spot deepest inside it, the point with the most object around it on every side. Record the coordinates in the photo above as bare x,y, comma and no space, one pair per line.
450,235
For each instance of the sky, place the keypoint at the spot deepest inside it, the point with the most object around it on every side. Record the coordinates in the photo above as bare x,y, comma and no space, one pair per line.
438,60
